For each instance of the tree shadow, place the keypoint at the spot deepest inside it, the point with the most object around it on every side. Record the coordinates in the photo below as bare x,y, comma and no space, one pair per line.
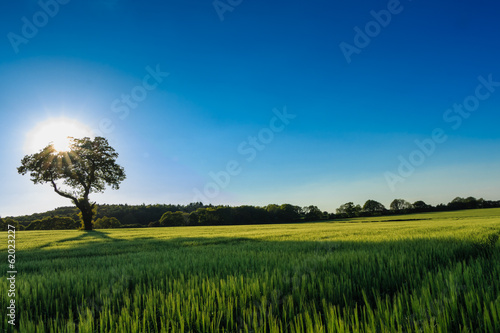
86,235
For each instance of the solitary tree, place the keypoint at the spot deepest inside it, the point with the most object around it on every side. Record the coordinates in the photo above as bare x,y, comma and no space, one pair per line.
87,167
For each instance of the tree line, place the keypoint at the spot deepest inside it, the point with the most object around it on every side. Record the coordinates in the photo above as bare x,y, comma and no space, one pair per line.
193,214
401,206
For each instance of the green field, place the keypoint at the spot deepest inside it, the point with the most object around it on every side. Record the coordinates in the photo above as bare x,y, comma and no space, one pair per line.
436,272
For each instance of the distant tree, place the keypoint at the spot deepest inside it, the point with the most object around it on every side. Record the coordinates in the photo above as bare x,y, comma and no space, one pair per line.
312,213
244,215
349,210
107,223
457,203
290,213
170,219
87,167
399,205
285,213
345,208
210,216
472,203
372,207
199,216
480,203
357,210
193,218
420,206
441,207
274,212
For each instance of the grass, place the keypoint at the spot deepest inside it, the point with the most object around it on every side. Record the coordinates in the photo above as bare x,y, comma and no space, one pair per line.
437,272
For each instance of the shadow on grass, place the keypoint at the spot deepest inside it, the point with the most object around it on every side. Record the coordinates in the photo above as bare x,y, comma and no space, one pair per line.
85,235
440,251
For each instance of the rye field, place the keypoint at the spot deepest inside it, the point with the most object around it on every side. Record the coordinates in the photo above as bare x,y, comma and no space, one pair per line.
435,272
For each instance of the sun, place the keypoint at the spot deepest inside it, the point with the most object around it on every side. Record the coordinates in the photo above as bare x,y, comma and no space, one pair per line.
56,131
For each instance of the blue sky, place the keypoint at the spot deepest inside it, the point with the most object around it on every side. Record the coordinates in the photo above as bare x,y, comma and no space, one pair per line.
227,79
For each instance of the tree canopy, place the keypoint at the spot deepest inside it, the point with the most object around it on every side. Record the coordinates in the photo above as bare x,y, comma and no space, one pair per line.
372,206
349,210
400,205
87,167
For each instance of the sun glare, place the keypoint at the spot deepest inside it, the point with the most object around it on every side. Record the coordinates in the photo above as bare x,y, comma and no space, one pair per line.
56,131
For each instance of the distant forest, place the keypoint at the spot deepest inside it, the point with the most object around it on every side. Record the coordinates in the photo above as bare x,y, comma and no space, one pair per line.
138,216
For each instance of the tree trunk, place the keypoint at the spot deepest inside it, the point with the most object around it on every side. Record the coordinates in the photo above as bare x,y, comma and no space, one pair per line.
87,213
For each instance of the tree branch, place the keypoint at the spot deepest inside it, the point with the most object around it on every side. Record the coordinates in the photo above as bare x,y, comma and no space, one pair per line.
62,193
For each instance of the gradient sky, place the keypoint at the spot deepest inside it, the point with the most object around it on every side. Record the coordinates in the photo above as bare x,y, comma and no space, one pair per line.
354,121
